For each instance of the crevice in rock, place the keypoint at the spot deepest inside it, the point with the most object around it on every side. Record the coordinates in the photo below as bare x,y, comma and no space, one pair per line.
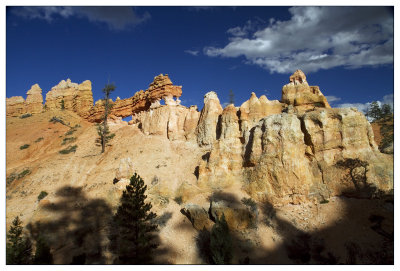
307,136
247,153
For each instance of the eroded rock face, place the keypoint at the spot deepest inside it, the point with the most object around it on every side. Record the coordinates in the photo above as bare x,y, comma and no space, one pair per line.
302,96
15,106
76,97
34,100
160,88
207,127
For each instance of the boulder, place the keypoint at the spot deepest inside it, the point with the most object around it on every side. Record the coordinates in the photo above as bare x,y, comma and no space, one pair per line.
238,217
198,216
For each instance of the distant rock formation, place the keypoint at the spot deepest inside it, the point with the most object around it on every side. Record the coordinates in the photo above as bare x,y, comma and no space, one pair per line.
17,106
76,97
160,88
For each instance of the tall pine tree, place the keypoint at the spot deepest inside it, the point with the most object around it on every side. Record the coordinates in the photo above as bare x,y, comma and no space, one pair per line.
102,130
43,254
19,248
133,231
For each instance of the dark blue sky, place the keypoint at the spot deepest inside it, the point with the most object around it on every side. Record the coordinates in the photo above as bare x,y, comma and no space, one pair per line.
347,51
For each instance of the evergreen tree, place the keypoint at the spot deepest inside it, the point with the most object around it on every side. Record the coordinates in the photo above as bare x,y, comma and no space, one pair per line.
374,111
231,97
62,105
42,254
19,248
221,242
386,111
132,233
102,130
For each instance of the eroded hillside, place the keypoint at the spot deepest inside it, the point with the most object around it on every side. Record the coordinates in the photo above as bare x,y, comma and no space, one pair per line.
278,170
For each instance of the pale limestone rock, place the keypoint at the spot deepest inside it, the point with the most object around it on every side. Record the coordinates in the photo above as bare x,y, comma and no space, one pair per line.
299,94
34,100
223,164
125,169
277,166
15,106
207,127
190,124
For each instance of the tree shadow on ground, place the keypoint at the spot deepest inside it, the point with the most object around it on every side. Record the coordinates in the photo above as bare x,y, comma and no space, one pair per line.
77,232
363,234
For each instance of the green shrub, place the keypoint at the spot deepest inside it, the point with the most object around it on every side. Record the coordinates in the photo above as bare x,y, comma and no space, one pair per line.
56,119
70,132
39,139
42,195
69,149
221,242
24,116
249,202
178,200
324,201
25,146
68,140
12,177
23,173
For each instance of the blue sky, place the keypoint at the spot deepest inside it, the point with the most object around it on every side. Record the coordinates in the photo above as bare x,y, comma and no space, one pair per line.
347,51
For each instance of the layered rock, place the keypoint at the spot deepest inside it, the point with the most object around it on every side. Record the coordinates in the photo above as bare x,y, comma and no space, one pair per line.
254,109
207,127
294,157
160,88
17,105
302,96
223,164
34,100
74,97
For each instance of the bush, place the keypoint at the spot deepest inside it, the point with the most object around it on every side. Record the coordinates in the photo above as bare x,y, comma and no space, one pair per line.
221,242
324,201
15,176
69,149
68,140
249,202
23,147
178,200
24,173
56,119
24,116
42,195
39,139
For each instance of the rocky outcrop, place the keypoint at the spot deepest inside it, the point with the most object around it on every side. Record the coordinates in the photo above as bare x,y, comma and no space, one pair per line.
198,216
294,157
160,88
255,109
17,106
237,216
74,97
302,96
207,127
34,100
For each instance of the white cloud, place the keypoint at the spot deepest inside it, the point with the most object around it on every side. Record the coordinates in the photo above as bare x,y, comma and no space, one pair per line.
249,27
192,52
315,38
115,17
331,99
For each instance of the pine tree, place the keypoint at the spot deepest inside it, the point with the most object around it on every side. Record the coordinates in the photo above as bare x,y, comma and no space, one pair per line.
132,235
231,97
19,248
374,111
221,242
42,254
102,129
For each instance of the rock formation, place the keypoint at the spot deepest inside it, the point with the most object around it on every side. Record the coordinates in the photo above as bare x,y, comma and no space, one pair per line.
292,157
160,88
207,127
302,96
76,98
17,106
34,100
